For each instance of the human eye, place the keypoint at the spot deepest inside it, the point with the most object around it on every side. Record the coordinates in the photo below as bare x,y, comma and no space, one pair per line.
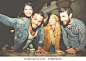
30,9
35,19
40,21
25,9
63,16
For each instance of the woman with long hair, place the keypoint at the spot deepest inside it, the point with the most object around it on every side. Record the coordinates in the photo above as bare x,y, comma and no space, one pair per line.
22,20
52,34
26,10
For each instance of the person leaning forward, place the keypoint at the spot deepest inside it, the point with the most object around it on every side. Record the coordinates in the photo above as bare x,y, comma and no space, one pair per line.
30,30
73,32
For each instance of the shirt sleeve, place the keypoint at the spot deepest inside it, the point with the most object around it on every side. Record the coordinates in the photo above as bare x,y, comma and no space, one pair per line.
82,36
64,36
57,42
7,20
41,36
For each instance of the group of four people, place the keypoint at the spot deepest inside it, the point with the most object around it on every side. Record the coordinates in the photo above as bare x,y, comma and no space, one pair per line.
29,30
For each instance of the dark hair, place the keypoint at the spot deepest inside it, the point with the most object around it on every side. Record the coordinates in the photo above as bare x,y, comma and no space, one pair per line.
21,14
41,13
68,9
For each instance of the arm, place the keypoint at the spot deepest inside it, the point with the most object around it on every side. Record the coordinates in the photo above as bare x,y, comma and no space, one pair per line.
41,40
82,33
57,44
57,40
64,36
82,41
7,20
44,37
41,36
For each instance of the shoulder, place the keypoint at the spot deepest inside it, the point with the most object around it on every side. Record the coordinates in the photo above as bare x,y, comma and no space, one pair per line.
45,28
79,23
20,20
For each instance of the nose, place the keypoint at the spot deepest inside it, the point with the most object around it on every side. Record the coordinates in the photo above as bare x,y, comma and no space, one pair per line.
36,22
28,10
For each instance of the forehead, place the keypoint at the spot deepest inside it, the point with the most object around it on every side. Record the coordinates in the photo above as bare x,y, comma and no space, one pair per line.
52,17
63,13
28,7
38,16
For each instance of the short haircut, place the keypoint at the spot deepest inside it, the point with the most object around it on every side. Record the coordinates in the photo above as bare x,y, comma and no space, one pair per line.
39,12
67,9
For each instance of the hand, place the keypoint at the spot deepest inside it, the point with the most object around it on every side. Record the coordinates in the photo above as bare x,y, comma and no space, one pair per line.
12,31
37,51
59,51
71,50
40,50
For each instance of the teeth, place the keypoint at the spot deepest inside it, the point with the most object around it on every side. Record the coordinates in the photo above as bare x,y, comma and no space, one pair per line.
34,25
28,13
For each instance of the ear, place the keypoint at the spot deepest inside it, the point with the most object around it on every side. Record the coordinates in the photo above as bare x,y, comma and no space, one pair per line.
70,16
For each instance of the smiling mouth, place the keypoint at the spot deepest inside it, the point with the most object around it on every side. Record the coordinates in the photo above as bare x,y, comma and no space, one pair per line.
35,25
64,21
28,13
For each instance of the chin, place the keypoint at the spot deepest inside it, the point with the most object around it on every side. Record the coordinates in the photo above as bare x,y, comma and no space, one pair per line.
34,27
64,23
29,16
50,24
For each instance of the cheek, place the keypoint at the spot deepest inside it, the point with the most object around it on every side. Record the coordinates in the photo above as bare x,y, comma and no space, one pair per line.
31,11
25,11
67,19
33,21
52,21
49,21
39,23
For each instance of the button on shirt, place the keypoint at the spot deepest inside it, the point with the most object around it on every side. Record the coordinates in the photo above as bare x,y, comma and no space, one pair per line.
75,36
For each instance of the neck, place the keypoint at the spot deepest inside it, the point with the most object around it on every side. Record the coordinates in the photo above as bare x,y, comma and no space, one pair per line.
71,20
70,23
32,29
53,26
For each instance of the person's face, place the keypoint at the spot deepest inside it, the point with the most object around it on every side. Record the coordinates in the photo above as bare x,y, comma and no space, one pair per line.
52,21
28,10
36,20
64,18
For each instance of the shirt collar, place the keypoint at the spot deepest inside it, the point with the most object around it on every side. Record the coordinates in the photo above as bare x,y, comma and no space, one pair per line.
73,23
